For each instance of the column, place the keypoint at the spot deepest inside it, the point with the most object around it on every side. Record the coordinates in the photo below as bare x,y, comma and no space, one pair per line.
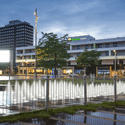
70,47
110,71
109,52
18,70
23,50
23,70
96,71
27,70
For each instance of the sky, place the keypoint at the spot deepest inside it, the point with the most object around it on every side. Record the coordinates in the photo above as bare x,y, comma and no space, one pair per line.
98,18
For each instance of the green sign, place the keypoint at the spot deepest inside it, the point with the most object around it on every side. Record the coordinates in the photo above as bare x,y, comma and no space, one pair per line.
94,45
73,39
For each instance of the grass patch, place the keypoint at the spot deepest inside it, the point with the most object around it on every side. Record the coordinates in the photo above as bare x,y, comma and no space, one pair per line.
3,81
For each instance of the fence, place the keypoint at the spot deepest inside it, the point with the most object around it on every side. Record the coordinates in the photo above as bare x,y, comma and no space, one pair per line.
31,94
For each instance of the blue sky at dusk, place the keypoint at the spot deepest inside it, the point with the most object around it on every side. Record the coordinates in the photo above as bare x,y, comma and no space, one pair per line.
98,18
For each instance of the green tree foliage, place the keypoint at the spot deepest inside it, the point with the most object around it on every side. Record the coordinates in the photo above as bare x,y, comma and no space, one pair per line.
4,66
52,51
88,58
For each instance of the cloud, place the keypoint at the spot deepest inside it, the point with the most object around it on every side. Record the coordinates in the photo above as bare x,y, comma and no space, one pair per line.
61,29
76,7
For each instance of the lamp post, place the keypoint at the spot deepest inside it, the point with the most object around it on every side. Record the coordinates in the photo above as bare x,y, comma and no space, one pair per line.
115,99
35,13
115,61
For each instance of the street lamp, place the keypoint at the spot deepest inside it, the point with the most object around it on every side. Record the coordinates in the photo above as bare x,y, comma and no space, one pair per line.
35,13
115,61
115,99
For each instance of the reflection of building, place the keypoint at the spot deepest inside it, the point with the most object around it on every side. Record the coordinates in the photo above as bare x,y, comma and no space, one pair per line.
25,59
106,46
16,34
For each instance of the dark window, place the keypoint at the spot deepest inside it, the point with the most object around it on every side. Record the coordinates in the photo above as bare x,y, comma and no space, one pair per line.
107,45
107,53
114,62
73,47
101,54
114,44
21,72
24,57
92,46
56,72
86,47
78,47
69,63
78,54
24,71
121,62
99,46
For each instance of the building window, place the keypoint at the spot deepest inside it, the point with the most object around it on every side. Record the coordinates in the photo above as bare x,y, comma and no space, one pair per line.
86,47
114,44
121,62
92,46
107,45
101,54
78,54
107,53
99,46
73,47
69,62
21,72
78,47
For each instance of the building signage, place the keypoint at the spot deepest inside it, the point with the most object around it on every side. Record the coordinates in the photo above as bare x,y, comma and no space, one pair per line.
70,39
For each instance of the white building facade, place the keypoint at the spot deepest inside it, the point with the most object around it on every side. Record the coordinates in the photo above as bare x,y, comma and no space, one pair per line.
25,56
105,46
25,60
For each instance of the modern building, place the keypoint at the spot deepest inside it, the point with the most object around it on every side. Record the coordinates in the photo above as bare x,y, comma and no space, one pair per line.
25,59
25,56
106,46
16,34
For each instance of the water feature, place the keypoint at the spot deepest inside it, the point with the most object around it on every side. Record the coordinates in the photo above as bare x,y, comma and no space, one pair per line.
30,93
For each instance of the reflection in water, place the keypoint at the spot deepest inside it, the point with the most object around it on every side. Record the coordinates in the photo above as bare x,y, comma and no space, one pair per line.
114,118
85,117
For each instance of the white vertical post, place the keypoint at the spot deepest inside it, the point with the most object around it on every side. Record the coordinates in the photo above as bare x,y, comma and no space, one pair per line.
35,13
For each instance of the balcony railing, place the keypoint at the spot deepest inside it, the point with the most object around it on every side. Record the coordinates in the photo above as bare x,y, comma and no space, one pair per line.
25,52
101,57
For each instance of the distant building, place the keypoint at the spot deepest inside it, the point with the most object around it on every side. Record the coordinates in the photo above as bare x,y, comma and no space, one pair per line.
25,56
106,46
16,34
25,59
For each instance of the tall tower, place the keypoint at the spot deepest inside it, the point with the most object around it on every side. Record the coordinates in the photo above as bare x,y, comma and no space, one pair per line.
35,13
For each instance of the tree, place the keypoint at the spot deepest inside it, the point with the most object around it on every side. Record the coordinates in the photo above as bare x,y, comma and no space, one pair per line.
52,51
88,58
4,66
